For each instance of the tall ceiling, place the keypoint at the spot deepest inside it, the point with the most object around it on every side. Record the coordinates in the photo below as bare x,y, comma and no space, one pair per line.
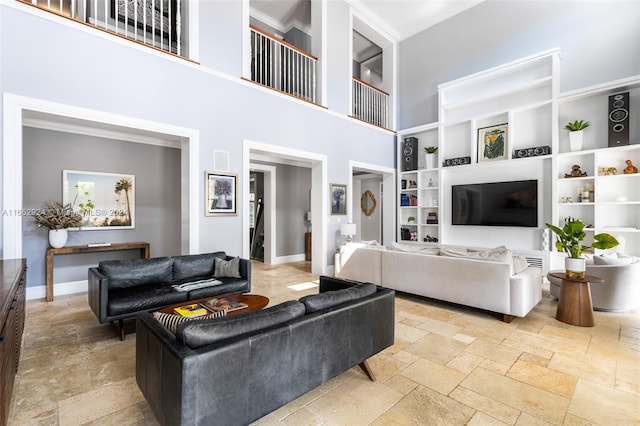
398,18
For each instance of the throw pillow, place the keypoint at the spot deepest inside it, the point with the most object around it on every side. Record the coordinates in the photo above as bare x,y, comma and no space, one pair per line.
520,264
172,321
499,254
227,268
608,260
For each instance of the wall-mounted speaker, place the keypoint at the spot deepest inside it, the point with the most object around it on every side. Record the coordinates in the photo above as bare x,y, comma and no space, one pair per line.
619,119
532,152
410,154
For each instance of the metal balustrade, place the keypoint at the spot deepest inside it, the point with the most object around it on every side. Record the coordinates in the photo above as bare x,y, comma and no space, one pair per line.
282,66
370,104
156,23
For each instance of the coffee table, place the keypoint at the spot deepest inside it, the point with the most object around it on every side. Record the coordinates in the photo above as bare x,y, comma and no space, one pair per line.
255,302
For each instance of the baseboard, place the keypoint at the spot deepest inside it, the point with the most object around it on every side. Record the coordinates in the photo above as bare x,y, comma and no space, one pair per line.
288,259
60,289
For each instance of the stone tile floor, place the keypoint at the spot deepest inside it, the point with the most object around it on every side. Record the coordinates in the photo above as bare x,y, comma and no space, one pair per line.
449,365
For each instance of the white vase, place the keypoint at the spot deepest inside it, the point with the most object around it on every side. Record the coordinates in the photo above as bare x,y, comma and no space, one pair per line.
429,161
58,237
575,140
575,267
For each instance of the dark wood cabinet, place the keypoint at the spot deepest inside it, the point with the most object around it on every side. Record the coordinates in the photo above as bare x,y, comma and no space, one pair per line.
13,274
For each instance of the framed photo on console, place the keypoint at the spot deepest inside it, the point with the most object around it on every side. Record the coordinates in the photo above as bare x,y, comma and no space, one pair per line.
220,194
493,143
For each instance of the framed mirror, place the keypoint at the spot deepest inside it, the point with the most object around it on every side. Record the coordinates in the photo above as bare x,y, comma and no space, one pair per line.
368,203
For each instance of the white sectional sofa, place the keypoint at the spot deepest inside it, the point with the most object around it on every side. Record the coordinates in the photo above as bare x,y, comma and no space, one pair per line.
488,279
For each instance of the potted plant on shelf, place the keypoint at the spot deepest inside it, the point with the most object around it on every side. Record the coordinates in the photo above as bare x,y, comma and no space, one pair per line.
575,133
411,219
58,218
430,157
569,240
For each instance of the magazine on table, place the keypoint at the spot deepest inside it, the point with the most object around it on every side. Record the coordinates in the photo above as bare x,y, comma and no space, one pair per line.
225,303
193,310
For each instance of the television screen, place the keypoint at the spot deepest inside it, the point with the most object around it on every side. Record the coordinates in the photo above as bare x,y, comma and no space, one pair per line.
496,204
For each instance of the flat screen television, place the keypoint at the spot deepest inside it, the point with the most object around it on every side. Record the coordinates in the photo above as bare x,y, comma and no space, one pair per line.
512,203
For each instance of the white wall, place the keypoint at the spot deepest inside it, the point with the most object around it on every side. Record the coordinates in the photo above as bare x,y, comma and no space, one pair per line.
73,65
599,41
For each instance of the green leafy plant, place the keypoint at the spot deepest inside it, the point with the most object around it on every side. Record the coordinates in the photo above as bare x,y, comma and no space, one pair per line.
430,149
569,239
411,219
577,125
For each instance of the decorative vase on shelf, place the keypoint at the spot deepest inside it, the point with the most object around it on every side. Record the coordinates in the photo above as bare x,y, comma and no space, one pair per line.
430,161
58,237
575,267
575,140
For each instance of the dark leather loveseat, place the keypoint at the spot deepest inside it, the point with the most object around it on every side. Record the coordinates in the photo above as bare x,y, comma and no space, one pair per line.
120,289
236,369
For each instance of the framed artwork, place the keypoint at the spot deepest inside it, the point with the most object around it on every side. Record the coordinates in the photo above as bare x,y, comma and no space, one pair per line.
105,200
493,143
220,194
338,194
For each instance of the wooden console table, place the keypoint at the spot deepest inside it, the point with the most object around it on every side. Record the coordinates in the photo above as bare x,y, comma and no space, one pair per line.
574,303
143,247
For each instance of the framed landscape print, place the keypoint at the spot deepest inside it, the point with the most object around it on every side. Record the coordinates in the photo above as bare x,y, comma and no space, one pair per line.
105,200
338,195
493,143
220,194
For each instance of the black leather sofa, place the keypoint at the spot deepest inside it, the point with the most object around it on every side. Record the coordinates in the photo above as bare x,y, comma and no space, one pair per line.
120,289
236,369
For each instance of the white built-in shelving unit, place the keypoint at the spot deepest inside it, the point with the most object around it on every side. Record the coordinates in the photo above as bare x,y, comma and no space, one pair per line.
614,205
525,95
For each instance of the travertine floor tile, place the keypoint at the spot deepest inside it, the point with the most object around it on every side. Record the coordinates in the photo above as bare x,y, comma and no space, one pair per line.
357,401
98,403
594,369
604,405
434,376
529,399
436,348
424,406
488,406
544,378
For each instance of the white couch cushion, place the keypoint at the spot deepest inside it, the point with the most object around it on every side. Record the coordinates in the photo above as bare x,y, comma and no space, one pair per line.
499,254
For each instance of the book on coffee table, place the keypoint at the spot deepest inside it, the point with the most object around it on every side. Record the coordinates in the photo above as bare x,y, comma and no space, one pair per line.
225,303
193,310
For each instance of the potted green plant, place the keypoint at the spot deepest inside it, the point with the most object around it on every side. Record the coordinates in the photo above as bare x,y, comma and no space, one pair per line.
411,219
569,240
576,133
430,157
58,218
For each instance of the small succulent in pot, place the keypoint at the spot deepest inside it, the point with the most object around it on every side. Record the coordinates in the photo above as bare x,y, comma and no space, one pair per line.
430,149
577,125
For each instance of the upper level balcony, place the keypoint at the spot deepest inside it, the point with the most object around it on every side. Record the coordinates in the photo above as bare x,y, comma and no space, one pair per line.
281,60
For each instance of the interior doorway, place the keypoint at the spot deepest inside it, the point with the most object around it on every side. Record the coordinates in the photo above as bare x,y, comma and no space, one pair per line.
257,156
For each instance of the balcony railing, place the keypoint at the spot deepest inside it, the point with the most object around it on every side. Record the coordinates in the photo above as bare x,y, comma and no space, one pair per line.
156,23
370,104
282,66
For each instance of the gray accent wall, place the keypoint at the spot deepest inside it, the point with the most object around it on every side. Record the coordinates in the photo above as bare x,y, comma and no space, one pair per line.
46,153
292,203
599,42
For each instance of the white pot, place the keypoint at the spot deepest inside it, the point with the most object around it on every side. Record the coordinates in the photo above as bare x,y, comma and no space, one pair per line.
575,140
430,161
575,267
58,237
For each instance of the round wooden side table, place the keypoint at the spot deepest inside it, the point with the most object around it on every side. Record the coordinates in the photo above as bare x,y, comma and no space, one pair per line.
574,303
